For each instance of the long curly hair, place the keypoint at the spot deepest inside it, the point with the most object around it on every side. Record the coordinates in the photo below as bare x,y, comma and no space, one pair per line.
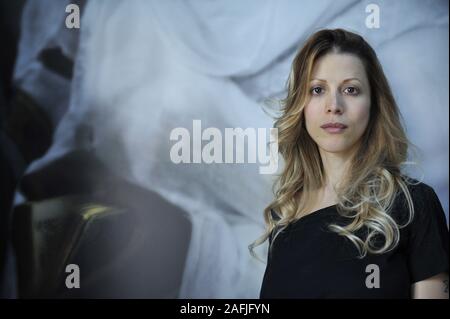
374,178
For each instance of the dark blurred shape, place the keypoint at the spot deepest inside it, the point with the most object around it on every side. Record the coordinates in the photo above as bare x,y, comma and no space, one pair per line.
78,172
52,234
28,126
55,60
127,241
12,166
10,14
11,162
26,135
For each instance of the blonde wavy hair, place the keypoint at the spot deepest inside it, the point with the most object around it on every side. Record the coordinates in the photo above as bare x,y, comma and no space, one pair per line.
374,178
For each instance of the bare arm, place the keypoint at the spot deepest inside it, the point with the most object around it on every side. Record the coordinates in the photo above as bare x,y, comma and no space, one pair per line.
435,287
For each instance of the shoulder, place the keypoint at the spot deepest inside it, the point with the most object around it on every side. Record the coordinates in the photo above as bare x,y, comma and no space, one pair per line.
421,193
419,188
426,203
426,237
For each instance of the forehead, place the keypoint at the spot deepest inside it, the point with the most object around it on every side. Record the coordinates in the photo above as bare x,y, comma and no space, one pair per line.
338,66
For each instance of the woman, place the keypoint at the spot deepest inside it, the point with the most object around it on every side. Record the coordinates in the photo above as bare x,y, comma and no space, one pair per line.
345,222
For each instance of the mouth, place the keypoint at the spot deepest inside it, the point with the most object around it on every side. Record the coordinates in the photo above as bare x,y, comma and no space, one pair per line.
334,128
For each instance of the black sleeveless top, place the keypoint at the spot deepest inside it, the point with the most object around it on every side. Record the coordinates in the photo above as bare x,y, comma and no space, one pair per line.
307,260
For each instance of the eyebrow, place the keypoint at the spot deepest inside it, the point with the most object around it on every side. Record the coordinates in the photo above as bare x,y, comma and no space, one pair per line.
346,80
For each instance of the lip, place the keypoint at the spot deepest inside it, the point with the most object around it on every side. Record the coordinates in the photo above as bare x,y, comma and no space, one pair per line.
334,128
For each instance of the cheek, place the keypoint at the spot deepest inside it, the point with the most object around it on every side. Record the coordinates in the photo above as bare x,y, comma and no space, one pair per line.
362,115
311,115
359,120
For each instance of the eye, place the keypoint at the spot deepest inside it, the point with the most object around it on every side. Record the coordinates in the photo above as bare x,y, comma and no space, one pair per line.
317,90
351,90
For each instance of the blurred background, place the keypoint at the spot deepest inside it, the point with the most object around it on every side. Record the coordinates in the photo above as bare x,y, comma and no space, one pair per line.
86,114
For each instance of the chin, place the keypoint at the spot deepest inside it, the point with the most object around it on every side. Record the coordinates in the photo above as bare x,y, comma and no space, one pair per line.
335,148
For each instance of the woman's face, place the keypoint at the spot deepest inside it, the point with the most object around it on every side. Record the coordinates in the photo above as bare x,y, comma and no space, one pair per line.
339,94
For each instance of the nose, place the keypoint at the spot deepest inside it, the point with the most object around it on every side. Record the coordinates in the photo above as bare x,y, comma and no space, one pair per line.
334,104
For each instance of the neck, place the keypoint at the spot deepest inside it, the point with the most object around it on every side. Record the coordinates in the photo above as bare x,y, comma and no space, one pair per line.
335,166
